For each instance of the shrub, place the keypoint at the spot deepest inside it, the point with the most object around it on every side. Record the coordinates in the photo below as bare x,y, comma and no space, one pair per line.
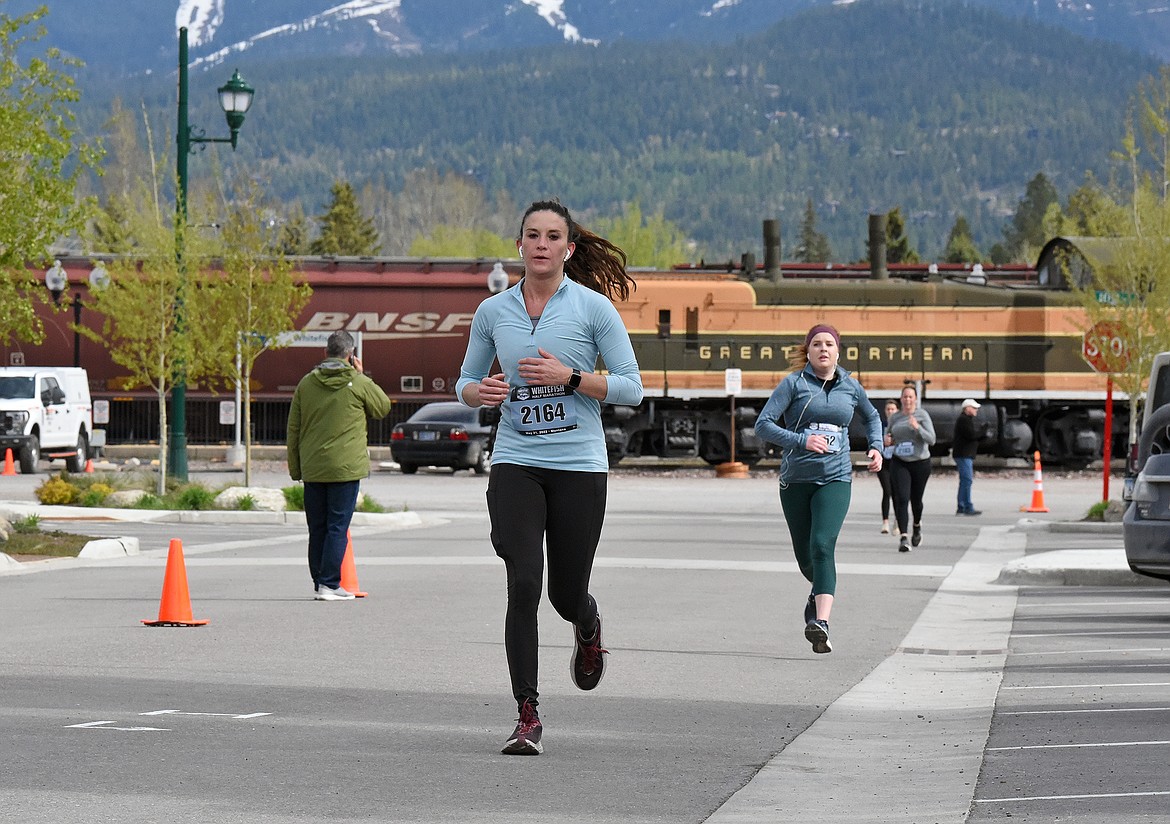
195,496
294,497
246,503
96,494
1097,511
368,504
56,490
28,525
149,501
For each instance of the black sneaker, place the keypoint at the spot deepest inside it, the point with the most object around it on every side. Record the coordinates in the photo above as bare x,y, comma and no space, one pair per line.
817,633
810,609
588,662
916,537
525,738
903,543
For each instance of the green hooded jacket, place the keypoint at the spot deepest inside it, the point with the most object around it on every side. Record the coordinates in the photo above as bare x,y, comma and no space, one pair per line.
327,440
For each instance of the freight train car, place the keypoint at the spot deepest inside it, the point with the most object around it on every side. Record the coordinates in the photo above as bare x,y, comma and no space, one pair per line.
994,335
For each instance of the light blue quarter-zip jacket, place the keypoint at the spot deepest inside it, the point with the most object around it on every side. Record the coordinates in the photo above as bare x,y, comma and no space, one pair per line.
577,325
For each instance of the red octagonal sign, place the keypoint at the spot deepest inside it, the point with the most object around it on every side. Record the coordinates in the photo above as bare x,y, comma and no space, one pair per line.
1104,347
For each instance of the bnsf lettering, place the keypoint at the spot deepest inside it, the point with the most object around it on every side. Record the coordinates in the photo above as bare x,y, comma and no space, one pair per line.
388,322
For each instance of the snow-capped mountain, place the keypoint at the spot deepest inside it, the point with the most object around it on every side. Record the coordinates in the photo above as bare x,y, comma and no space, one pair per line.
141,37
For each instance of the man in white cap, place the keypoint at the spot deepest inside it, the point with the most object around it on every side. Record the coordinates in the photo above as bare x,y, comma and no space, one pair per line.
964,445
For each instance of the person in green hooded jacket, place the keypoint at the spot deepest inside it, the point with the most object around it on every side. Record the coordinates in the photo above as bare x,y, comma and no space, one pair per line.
328,451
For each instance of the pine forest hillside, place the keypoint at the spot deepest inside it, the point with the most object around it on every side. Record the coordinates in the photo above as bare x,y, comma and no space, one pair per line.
940,109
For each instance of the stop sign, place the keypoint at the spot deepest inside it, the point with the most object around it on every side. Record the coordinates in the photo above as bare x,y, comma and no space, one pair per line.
1104,347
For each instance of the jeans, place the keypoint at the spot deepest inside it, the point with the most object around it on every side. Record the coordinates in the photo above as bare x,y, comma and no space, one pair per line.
328,511
966,467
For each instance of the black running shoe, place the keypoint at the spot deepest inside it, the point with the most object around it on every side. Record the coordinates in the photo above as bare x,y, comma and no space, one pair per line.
810,609
525,738
916,536
588,662
903,544
817,634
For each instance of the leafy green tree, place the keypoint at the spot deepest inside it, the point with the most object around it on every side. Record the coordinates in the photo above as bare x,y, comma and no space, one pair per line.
647,240
1025,234
146,331
254,298
898,248
429,200
960,247
1135,275
344,229
462,241
812,247
41,164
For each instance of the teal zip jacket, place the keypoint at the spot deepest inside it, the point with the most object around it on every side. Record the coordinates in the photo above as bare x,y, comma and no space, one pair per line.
327,439
800,405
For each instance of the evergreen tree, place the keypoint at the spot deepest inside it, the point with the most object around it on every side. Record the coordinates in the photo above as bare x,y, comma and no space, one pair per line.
813,247
1026,231
960,247
898,248
292,238
344,229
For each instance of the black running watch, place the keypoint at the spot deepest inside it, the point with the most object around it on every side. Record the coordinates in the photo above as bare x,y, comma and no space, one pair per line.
575,379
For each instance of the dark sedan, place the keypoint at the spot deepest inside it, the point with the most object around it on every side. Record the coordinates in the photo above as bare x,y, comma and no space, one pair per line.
444,434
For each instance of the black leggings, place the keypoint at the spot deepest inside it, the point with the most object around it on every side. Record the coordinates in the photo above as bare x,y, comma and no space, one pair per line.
885,478
909,479
529,508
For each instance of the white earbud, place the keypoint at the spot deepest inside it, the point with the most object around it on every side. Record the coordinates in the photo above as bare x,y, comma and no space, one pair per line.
520,249
567,256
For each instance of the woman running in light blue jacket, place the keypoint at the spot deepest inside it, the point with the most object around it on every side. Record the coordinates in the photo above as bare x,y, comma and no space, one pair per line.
549,464
808,416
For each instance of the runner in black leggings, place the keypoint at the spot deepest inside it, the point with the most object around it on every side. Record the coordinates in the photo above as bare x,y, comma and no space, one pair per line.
886,473
549,464
913,434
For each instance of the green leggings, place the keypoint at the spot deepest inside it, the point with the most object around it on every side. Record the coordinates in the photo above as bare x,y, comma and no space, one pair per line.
814,513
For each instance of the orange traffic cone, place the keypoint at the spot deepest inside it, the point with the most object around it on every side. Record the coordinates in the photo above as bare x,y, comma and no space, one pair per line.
89,465
349,580
9,466
1037,491
174,610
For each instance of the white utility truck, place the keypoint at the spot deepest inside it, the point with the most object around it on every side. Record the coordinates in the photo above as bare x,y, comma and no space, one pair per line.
46,411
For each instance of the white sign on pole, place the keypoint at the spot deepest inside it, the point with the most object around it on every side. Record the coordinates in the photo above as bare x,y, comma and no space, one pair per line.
733,381
227,412
101,411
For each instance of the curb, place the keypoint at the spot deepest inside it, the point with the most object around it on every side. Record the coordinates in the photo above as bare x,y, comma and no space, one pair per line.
1074,567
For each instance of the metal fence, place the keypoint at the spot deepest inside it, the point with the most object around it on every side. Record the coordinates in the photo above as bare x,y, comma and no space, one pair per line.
135,420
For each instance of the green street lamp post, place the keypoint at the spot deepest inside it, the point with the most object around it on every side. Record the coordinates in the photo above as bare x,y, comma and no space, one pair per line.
235,97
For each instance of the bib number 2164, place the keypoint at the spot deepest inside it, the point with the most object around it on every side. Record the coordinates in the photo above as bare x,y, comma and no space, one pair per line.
543,410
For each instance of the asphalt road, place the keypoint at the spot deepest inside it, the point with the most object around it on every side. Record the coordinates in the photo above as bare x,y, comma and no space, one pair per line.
393,708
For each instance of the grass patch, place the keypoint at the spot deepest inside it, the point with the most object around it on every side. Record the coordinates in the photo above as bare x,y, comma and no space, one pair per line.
51,544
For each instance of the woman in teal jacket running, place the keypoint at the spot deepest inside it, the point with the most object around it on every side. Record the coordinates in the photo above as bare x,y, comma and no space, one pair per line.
808,416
